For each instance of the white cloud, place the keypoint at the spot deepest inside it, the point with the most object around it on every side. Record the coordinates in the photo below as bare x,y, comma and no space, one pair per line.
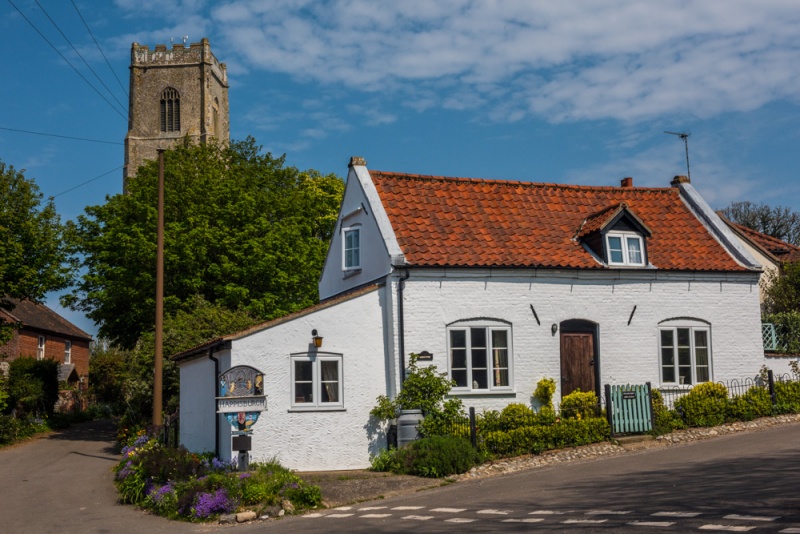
562,61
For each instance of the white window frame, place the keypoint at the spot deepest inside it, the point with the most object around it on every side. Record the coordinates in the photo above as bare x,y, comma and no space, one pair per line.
317,381
693,347
357,249
67,351
40,347
472,384
625,238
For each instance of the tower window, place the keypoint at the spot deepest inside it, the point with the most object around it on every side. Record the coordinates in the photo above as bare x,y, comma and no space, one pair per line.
170,110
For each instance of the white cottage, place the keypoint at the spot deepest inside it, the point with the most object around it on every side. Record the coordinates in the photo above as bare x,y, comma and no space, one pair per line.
504,283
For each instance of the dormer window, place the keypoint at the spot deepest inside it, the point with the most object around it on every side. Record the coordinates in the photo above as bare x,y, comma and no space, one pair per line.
624,248
352,248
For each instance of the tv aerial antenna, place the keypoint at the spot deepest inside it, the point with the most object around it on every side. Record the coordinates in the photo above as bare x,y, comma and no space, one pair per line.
685,137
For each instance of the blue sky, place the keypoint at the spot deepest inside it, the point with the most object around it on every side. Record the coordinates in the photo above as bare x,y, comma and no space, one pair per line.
571,92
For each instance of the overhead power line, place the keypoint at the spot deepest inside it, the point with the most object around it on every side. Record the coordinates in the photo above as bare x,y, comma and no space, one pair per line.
46,14
87,182
125,91
66,60
61,136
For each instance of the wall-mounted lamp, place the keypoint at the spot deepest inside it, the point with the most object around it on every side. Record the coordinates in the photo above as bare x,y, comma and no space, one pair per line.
316,338
554,328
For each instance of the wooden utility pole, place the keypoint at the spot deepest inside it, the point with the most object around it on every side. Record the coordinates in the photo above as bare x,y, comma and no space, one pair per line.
157,382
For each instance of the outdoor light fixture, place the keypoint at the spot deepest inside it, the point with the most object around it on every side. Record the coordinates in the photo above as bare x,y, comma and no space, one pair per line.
554,328
316,338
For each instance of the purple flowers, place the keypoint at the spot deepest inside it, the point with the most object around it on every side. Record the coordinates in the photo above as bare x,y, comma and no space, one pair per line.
209,504
242,476
158,494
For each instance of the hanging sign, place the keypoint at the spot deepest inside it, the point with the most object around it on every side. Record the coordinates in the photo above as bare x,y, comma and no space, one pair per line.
241,397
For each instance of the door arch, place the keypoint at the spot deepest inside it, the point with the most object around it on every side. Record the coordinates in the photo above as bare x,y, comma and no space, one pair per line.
580,365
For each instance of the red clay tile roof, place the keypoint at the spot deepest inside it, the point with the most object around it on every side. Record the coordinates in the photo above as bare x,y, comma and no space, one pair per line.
41,317
782,250
459,222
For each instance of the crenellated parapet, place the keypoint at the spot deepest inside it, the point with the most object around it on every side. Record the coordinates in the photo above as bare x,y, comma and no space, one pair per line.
179,54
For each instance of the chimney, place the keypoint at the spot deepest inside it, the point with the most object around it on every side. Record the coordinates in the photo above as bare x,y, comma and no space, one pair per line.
626,182
357,160
681,179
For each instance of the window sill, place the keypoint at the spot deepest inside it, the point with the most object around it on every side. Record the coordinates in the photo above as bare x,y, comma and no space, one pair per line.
317,409
483,393
348,273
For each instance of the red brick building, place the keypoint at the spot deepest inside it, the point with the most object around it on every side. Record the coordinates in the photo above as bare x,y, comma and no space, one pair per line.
45,334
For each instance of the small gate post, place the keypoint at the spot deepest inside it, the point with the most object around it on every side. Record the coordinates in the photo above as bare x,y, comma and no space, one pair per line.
650,400
473,433
609,408
771,380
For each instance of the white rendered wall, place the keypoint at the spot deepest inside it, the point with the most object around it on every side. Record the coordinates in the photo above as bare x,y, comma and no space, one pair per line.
320,440
198,407
627,353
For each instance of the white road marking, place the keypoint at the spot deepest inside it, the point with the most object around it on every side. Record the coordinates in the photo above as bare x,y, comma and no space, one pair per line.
460,520
583,521
372,508
338,515
343,508
677,514
791,530
529,520
652,523
375,516
448,510
408,507
545,512
493,512
315,514
750,517
608,512
726,528
418,517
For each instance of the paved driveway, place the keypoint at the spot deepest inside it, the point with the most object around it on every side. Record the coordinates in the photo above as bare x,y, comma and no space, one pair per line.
63,484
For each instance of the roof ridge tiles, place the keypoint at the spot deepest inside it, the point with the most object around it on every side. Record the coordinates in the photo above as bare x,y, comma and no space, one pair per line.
498,181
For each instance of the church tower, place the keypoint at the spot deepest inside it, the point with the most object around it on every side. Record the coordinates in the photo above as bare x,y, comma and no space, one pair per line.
174,94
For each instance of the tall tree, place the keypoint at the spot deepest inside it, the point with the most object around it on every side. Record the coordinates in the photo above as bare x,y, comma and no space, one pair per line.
33,257
778,221
242,230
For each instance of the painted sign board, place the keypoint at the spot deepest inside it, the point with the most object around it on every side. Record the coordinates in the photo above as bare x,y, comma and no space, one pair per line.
241,397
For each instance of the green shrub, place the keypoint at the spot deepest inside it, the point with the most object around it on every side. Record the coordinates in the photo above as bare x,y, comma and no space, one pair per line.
33,386
705,405
664,419
539,438
9,429
787,397
515,415
385,461
437,456
787,326
754,403
579,405
545,389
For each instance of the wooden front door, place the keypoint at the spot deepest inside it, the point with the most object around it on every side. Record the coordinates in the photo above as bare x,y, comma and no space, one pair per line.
577,362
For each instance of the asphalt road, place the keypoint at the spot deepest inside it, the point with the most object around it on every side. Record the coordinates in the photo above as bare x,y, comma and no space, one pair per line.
747,482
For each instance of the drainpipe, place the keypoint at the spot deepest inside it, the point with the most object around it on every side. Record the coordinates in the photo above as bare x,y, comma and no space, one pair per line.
216,415
401,334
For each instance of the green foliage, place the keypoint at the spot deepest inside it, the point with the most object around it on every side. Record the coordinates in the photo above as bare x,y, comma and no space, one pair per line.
424,389
580,405
241,229
787,323
3,393
787,397
437,456
539,438
545,389
515,415
664,419
754,403
33,386
107,369
33,256
705,405
385,461
176,483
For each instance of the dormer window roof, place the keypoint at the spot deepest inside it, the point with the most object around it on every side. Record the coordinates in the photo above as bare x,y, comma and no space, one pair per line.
617,235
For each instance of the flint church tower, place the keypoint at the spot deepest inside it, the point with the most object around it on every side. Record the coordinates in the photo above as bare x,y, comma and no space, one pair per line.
177,93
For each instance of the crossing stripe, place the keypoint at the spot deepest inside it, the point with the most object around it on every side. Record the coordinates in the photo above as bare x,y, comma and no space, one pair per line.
545,512
677,514
750,517
652,523
727,528
791,530
339,515
583,521
493,512
408,507
448,510
372,508
528,520
460,520
608,512
418,517
375,516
